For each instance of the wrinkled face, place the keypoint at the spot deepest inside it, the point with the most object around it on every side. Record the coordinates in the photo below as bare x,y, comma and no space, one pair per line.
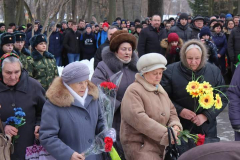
236,21
110,33
230,24
156,20
19,45
183,22
125,51
154,77
79,87
2,28
199,23
217,29
7,48
11,73
41,47
194,57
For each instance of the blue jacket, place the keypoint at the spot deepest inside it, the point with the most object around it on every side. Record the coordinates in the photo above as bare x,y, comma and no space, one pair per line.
29,36
67,128
220,41
55,44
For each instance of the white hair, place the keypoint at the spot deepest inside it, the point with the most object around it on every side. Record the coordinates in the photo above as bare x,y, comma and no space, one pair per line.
11,59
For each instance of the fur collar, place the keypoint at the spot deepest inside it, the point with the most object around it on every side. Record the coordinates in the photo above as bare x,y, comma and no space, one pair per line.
59,95
149,87
24,51
164,43
37,56
114,64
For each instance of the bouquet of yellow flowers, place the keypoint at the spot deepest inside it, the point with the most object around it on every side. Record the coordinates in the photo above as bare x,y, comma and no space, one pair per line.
205,94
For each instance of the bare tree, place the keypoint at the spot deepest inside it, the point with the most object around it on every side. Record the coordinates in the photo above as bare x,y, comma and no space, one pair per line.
112,11
9,8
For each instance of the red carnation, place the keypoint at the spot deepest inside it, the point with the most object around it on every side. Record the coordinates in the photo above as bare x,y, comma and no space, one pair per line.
108,144
108,85
201,139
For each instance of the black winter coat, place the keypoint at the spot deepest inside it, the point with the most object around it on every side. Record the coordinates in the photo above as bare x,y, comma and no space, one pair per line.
184,32
149,41
72,41
88,45
195,32
174,81
55,44
98,54
233,44
30,96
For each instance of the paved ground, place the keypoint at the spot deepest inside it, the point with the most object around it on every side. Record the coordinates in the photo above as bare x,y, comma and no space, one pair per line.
225,131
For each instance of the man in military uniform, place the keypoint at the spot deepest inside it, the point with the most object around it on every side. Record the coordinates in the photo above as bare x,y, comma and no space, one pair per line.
23,53
123,23
44,63
6,43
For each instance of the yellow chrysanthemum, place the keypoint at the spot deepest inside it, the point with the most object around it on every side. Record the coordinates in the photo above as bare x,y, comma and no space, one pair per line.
193,88
206,101
218,102
206,87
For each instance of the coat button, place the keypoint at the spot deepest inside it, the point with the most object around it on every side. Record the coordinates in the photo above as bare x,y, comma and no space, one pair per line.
86,118
13,105
89,141
163,114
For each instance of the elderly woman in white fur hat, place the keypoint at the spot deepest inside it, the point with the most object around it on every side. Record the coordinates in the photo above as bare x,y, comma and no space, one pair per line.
71,116
146,111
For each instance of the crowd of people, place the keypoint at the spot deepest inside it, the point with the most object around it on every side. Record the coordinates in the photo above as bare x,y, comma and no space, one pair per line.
157,58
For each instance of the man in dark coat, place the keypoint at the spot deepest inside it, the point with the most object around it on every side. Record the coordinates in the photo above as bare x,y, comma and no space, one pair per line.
196,26
151,36
233,46
37,30
17,89
98,54
182,29
72,43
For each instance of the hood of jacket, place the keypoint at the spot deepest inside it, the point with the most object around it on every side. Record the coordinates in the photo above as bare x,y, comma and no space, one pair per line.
164,43
59,95
115,64
37,56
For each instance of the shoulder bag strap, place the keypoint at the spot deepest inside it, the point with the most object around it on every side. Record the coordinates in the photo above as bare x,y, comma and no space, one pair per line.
169,137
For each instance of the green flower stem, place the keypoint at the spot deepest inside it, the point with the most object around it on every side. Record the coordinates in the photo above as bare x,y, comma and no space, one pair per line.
114,155
222,93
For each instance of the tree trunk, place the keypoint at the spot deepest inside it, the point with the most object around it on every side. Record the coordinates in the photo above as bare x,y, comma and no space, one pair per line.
74,10
238,7
9,8
124,9
230,6
210,7
112,11
38,10
89,13
137,4
155,7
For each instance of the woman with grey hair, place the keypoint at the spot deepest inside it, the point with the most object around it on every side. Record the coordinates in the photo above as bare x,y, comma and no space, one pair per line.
18,90
71,116
146,110
193,62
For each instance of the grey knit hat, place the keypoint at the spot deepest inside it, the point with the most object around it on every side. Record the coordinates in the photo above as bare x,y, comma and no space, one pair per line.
75,72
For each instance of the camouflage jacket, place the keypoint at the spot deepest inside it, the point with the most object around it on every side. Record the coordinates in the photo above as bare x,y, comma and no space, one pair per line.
26,59
44,68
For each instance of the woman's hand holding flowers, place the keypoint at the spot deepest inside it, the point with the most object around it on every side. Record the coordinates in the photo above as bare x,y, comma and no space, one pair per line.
10,130
199,119
77,156
187,114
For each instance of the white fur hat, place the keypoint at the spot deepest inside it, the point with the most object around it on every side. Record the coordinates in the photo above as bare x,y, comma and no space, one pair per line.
150,62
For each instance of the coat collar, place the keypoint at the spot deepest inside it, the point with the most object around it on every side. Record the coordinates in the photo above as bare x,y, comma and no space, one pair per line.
59,95
24,51
149,87
114,64
21,86
37,56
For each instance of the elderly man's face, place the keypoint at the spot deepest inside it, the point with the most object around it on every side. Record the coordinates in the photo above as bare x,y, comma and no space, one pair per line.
199,23
11,73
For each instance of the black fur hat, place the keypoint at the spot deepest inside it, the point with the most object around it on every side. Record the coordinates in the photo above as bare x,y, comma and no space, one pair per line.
20,36
7,38
36,39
